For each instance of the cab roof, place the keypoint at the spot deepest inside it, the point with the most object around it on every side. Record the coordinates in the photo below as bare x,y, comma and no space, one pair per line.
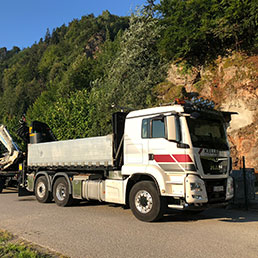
156,111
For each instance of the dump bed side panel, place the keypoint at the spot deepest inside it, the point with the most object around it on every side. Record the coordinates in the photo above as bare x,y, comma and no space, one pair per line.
94,151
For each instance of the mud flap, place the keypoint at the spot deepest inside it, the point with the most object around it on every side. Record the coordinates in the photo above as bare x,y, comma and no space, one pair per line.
22,191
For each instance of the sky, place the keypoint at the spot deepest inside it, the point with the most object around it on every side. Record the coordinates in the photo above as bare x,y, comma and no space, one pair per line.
24,22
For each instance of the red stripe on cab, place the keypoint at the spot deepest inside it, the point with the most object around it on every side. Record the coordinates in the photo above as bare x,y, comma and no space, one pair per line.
182,158
163,158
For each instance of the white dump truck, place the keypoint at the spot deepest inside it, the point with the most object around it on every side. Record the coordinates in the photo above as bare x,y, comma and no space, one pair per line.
174,156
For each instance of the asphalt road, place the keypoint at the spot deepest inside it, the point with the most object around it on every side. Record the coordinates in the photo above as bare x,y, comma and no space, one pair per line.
102,230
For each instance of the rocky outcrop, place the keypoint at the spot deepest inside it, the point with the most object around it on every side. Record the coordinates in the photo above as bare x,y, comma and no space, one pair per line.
94,43
232,83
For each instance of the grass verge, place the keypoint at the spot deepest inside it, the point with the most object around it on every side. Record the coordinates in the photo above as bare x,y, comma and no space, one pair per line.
11,246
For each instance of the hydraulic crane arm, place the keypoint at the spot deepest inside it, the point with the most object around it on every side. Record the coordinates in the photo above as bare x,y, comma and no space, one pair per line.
9,151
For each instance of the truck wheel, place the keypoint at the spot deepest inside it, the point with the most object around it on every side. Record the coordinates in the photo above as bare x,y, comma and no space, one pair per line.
2,184
145,202
61,192
41,190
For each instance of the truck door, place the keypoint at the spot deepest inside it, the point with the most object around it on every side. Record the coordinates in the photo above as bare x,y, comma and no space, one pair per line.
162,150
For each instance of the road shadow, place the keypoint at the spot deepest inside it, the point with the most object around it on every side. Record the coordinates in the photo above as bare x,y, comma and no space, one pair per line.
27,199
88,203
222,215
231,215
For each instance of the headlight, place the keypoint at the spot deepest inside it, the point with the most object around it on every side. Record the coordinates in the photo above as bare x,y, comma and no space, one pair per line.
195,190
196,187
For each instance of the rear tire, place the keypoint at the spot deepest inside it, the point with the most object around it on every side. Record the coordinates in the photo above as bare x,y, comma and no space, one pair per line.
145,201
41,190
61,192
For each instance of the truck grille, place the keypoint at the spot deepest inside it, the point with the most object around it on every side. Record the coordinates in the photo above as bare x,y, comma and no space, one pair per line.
216,190
214,165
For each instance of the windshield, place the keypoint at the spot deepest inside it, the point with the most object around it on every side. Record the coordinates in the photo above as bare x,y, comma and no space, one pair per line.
206,133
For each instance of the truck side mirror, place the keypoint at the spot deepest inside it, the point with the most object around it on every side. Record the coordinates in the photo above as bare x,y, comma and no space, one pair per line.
172,128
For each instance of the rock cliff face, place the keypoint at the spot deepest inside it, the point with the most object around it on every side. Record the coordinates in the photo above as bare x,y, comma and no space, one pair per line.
232,83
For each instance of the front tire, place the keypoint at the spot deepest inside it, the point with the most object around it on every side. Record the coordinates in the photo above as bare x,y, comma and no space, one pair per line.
61,192
41,190
145,201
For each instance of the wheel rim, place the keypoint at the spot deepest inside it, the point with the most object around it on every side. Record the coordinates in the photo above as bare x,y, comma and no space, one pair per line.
41,190
61,192
143,201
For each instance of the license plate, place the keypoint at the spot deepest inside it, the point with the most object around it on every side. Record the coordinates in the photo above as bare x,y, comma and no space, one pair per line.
218,188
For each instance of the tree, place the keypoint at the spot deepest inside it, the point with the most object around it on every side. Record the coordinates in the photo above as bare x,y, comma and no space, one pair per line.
46,76
131,76
149,8
186,35
79,75
47,36
236,23
67,117
198,31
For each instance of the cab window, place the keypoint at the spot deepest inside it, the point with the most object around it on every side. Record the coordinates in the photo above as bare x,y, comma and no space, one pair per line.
158,128
153,128
146,128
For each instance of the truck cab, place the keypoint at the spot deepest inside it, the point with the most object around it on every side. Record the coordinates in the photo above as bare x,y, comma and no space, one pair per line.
183,148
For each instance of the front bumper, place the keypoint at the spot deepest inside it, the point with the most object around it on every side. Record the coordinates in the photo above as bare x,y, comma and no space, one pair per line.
198,207
210,191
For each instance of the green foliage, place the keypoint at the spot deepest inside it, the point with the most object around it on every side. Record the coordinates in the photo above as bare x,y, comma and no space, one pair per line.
124,70
236,23
167,92
67,60
79,75
53,54
198,31
18,250
130,77
20,82
137,67
5,236
67,117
